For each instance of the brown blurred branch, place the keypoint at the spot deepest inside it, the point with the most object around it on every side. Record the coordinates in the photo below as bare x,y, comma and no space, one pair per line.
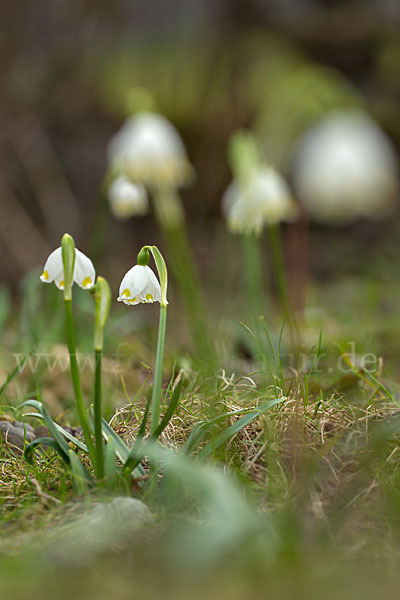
52,190
350,22
23,241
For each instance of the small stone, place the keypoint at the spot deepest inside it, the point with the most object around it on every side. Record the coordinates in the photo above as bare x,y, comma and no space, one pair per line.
105,525
41,431
125,514
28,428
14,436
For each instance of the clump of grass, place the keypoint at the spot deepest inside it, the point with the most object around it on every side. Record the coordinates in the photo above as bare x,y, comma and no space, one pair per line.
316,476
313,472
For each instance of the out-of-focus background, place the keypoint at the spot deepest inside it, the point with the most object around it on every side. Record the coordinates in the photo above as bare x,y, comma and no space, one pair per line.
317,82
73,71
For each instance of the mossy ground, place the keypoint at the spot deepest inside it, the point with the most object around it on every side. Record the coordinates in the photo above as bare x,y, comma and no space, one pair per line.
323,466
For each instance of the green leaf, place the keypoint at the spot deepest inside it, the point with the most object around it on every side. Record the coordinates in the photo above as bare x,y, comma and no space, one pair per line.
51,426
34,403
132,461
121,449
80,475
44,441
133,458
173,403
143,424
63,431
202,427
71,437
110,465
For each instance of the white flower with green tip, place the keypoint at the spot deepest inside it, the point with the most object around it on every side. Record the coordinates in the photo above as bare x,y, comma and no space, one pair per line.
84,271
149,150
264,198
139,285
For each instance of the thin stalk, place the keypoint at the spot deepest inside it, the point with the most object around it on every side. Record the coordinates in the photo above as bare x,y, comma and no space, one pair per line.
185,272
275,242
69,326
156,396
254,275
97,416
98,231
278,263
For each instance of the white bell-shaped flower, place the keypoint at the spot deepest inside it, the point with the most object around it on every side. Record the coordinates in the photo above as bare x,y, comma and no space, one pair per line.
127,199
139,285
263,199
149,150
84,271
345,168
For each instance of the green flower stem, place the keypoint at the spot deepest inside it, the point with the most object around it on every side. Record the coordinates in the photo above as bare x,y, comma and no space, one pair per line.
69,325
278,263
253,268
156,396
143,259
97,415
102,302
99,228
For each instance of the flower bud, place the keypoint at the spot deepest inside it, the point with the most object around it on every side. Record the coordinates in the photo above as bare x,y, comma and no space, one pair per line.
68,259
102,299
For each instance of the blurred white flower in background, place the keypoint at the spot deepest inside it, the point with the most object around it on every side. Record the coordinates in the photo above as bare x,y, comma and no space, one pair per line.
127,199
344,168
263,198
148,149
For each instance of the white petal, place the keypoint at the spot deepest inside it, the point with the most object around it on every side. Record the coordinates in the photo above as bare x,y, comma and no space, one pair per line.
230,197
149,149
152,278
59,280
152,291
344,167
53,266
84,271
126,285
140,284
264,198
134,281
127,199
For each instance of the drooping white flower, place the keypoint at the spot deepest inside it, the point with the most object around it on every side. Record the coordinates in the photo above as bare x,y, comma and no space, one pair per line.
84,271
139,285
263,199
127,199
149,150
345,168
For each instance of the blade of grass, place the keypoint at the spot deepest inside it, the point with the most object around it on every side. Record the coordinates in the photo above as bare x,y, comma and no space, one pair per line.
11,376
121,449
43,441
234,429
200,429
50,425
63,431
170,410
